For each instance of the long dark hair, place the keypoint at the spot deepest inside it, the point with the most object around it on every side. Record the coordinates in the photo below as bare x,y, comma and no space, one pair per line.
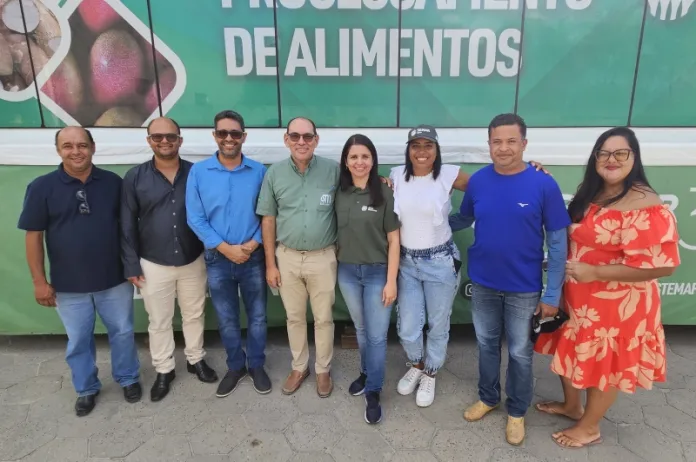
437,165
592,184
373,181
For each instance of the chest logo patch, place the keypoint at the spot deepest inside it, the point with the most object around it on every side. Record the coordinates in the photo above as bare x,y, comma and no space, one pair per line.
366,208
522,204
325,199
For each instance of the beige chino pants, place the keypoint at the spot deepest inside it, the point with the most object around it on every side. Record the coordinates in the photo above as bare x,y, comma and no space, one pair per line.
164,284
310,274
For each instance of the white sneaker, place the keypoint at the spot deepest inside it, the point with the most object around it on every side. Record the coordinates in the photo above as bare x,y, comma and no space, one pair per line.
426,391
409,381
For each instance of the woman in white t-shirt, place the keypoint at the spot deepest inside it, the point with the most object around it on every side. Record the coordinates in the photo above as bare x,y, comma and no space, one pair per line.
429,268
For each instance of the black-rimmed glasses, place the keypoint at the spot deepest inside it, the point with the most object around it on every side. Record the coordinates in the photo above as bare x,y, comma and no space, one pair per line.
621,155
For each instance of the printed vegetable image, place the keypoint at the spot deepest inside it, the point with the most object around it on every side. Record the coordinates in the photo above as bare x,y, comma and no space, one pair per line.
65,86
42,38
97,15
116,64
108,78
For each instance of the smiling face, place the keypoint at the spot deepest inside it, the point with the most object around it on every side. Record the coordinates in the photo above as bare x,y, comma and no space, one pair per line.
301,140
75,149
164,139
229,137
422,153
359,162
614,160
506,146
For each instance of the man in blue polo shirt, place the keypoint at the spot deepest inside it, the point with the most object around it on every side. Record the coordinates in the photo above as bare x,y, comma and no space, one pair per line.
76,209
515,208
221,195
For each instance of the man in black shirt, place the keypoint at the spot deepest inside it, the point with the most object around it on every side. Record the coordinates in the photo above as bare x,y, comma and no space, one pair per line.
162,256
76,209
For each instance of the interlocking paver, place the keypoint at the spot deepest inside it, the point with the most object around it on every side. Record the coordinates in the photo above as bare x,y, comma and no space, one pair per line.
461,445
21,440
32,390
512,455
649,443
362,446
671,422
161,449
271,446
407,430
275,413
120,436
312,457
219,435
63,449
313,433
192,425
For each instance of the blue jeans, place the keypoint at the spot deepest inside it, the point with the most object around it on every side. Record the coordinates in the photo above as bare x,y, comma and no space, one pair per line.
78,313
427,284
225,281
492,311
361,287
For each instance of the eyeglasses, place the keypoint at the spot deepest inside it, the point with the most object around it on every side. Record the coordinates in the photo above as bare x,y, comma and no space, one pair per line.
81,196
621,155
307,137
170,137
223,134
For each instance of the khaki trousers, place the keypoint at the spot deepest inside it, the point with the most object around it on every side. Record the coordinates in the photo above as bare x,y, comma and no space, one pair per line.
163,284
308,274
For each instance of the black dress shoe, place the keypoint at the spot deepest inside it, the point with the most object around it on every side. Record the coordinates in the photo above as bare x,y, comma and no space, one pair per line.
204,372
85,404
161,386
133,392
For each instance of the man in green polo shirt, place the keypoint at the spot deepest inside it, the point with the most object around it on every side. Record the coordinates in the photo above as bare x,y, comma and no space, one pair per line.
299,238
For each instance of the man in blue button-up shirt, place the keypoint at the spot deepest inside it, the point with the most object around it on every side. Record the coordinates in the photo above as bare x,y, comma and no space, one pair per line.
221,195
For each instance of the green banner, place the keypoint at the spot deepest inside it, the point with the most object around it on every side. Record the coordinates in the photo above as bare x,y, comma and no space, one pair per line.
348,63
20,314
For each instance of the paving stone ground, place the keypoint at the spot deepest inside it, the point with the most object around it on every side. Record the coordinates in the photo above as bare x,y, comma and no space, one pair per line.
38,424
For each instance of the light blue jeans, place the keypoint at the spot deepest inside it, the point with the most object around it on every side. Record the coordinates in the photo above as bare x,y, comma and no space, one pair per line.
78,313
361,287
495,314
427,285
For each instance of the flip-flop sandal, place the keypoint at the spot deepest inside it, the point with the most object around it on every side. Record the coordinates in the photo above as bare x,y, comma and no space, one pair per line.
576,442
551,412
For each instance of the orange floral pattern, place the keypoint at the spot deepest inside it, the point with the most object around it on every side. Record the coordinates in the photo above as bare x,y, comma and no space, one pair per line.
614,337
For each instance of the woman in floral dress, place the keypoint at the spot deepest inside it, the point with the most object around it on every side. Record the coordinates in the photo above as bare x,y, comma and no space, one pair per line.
621,241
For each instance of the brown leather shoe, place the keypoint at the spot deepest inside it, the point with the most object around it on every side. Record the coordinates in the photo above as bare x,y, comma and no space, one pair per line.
294,380
324,384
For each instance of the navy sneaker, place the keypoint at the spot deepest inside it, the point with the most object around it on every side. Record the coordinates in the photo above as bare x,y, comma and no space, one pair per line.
357,388
373,411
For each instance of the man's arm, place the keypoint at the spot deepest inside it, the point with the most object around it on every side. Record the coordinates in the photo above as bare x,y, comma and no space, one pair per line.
465,217
557,243
44,293
34,220
130,239
196,217
268,227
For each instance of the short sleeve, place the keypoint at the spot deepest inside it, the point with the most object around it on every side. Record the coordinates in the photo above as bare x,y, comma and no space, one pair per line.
555,213
391,219
34,216
448,175
649,238
266,205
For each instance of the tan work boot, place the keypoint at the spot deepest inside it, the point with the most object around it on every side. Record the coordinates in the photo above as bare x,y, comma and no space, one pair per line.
324,384
477,411
514,433
294,380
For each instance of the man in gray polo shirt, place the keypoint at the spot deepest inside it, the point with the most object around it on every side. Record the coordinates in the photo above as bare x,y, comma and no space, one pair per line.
297,205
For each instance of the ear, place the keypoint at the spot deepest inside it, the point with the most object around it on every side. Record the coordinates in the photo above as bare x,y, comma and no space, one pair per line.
244,137
316,140
286,140
524,144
